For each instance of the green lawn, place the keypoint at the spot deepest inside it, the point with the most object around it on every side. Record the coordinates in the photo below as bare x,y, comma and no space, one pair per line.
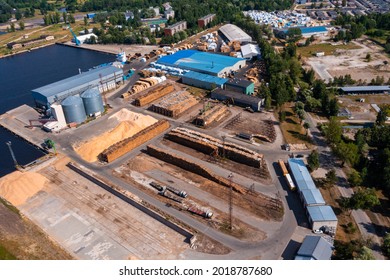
5,255
328,49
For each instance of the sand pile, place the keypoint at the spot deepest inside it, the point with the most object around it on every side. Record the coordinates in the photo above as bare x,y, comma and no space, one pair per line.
17,187
129,123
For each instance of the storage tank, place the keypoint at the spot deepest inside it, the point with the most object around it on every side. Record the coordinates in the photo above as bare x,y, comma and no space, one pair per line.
93,102
74,109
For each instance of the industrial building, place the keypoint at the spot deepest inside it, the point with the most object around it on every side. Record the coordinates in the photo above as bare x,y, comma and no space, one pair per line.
202,62
174,28
314,248
365,90
238,99
319,214
204,21
322,216
233,33
85,37
202,80
240,85
104,78
249,51
306,31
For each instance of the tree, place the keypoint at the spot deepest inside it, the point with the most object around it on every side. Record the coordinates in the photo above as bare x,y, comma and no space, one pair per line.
365,253
354,178
313,160
306,126
65,17
12,27
347,152
71,18
333,131
386,245
294,34
368,57
331,177
381,117
21,25
18,15
363,199
86,21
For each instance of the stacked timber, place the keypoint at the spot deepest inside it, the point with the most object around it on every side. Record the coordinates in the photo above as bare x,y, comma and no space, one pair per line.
153,95
119,149
215,114
210,145
174,104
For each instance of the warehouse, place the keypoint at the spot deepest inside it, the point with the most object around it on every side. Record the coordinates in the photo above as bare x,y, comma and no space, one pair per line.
241,85
249,51
104,78
319,214
306,31
238,99
365,90
314,248
202,80
233,33
301,175
206,63
322,216
312,197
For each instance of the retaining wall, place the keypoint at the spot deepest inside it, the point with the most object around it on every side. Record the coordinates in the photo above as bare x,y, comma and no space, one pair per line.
119,149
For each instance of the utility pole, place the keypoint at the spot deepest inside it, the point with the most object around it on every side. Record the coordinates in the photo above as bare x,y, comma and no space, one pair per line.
223,147
12,153
230,177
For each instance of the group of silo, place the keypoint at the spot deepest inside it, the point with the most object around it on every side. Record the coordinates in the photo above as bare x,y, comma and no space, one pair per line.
76,108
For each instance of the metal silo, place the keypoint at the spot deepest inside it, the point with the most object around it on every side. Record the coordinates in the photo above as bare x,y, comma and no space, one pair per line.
73,109
93,102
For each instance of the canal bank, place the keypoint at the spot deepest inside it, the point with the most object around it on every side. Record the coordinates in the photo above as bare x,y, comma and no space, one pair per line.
24,72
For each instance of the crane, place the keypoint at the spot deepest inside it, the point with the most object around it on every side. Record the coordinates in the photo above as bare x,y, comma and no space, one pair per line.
77,41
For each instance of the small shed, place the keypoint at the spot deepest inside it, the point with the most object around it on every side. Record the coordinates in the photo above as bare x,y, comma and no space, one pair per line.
314,248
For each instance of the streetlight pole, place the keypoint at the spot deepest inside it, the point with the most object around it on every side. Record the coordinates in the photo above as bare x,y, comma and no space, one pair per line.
230,177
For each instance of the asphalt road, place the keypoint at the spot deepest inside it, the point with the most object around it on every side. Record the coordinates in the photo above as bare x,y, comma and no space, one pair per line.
328,160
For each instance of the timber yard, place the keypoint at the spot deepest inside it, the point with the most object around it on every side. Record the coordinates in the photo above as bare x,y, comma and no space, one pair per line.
169,153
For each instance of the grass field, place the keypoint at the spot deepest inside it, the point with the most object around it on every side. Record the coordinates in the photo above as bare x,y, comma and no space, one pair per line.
60,35
328,49
292,130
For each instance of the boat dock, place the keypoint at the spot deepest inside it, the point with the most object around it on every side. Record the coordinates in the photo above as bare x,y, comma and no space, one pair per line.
18,121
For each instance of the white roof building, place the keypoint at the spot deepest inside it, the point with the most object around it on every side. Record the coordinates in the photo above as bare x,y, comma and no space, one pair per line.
250,50
234,33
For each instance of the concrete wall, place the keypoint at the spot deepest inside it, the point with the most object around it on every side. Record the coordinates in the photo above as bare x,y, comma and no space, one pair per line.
192,167
119,149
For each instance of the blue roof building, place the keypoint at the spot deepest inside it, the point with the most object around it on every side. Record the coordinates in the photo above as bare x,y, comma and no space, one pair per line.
321,216
301,175
312,197
202,62
365,89
314,248
104,78
202,80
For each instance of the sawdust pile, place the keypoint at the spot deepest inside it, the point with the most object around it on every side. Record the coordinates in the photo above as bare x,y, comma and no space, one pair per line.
129,123
17,187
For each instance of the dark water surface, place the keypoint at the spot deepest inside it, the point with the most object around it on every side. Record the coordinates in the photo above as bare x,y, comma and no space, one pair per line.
21,73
